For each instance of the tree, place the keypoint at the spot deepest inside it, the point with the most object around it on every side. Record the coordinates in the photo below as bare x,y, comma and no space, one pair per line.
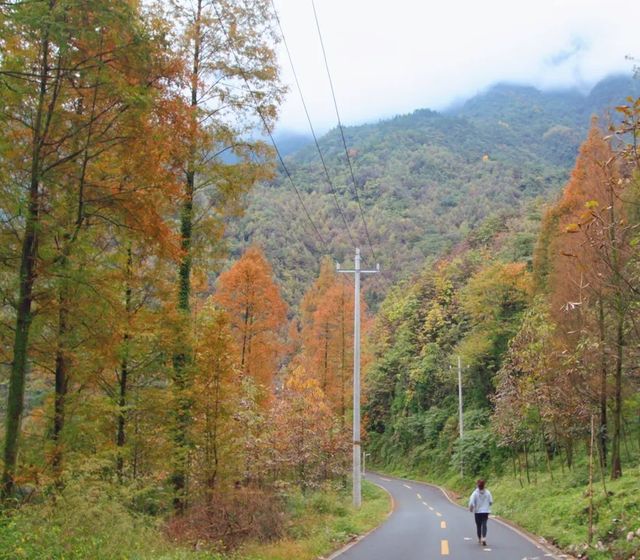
257,315
310,445
216,394
588,257
228,53
494,299
539,395
327,335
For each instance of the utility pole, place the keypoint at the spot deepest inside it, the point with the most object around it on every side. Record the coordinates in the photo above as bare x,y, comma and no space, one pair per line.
357,474
460,412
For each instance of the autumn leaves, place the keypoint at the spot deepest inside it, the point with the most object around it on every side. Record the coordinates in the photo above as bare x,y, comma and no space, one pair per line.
115,117
270,397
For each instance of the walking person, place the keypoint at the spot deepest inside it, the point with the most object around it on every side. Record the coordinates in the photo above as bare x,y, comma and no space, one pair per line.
480,504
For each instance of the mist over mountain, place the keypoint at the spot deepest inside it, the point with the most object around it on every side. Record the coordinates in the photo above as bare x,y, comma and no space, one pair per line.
426,181
290,142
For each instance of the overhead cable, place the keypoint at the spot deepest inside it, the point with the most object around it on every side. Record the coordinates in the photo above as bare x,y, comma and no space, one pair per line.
313,132
344,141
266,125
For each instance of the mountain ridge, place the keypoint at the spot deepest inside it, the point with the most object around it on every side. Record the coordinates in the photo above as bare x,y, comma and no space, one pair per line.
425,179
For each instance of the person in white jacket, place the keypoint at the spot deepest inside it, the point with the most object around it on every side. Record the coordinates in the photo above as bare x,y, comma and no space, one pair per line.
480,504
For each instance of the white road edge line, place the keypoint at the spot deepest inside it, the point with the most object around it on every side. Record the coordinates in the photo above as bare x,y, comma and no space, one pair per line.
344,549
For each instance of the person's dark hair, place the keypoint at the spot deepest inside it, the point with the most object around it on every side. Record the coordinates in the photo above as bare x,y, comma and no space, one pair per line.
480,484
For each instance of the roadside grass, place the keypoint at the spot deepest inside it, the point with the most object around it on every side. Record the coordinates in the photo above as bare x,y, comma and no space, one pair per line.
90,522
323,523
558,509
81,526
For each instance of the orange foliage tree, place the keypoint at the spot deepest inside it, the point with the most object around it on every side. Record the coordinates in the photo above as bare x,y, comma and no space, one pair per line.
581,258
257,314
308,447
216,395
327,336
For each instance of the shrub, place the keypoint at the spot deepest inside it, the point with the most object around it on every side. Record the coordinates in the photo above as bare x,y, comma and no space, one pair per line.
476,450
224,520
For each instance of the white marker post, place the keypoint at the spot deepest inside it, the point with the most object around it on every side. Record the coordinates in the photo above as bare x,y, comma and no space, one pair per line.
460,413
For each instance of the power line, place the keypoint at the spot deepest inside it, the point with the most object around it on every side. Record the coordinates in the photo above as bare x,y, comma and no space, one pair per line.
344,141
256,102
293,217
313,132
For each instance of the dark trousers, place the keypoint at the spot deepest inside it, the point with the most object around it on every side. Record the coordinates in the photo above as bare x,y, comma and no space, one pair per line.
481,524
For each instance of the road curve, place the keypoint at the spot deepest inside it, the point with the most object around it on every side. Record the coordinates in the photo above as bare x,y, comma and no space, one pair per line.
425,525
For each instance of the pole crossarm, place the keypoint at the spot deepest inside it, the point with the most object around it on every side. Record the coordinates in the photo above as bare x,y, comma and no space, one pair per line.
357,457
352,271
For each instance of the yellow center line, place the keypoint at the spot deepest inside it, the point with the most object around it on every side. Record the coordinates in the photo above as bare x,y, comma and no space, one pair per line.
443,524
444,547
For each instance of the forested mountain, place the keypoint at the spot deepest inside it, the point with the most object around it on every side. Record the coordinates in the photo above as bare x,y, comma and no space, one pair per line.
425,180
548,348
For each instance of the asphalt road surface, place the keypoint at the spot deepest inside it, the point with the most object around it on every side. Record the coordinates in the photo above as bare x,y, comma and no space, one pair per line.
425,525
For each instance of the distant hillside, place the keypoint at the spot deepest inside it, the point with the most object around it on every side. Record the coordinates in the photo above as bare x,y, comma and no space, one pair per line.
426,180
290,142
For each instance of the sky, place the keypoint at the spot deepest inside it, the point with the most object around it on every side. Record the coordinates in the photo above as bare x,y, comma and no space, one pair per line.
389,57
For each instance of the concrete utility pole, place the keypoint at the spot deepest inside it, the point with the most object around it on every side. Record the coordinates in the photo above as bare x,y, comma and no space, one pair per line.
460,411
357,473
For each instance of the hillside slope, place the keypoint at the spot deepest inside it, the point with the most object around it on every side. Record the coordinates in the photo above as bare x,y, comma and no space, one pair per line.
425,180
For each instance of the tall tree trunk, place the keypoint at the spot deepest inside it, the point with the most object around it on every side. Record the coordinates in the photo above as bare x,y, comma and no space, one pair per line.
245,336
61,377
343,365
520,469
123,380
182,359
325,361
135,466
616,461
212,418
181,362
62,361
17,377
590,538
569,452
619,307
602,429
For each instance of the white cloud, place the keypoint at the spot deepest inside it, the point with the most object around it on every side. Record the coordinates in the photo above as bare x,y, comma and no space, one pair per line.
390,57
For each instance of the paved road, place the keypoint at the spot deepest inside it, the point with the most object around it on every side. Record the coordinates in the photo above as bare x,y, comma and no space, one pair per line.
425,525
